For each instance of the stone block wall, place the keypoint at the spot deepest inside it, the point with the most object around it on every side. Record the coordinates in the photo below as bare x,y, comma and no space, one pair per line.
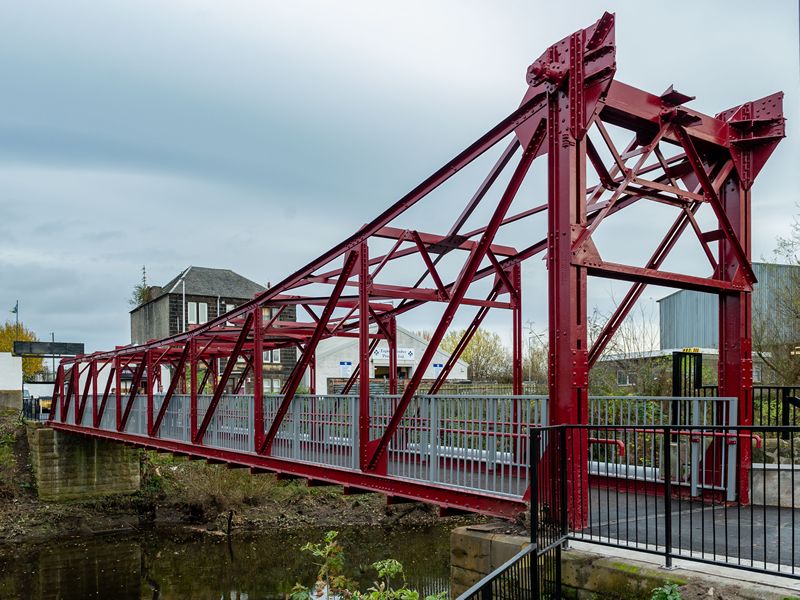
11,399
69,466
775,485
476,551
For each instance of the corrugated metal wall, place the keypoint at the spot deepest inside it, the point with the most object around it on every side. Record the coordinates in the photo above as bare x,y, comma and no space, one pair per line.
691,319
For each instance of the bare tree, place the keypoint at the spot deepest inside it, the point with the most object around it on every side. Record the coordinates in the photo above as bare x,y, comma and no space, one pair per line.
630,363
776,331
534,361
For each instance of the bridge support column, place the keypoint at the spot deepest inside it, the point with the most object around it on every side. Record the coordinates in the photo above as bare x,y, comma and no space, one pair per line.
68,466
568,376
258,378
516,317
150,382
391,338
117,391
363,354
735,367
193,359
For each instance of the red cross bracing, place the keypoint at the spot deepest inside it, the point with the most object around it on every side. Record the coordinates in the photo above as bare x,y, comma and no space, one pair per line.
598,149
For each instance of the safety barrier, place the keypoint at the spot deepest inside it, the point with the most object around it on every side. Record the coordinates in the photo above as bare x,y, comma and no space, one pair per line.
636,453
479,443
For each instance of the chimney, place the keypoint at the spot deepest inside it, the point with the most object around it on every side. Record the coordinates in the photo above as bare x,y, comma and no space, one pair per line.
154,291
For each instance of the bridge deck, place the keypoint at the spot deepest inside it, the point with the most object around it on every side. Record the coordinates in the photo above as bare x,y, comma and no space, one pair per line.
754,536
468,453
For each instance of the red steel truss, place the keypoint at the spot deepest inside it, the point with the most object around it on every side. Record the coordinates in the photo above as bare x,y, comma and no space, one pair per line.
575,114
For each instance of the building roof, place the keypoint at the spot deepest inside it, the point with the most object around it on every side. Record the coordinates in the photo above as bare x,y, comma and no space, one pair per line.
205,281
759,268
653,354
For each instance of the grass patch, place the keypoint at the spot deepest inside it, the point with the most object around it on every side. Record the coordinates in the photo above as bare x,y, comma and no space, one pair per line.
213,488
10,428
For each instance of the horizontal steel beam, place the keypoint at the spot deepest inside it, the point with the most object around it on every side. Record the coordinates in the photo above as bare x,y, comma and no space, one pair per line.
663,278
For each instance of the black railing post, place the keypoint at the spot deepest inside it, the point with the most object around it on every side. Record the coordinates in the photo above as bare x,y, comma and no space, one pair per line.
785,411
486,592
563,503
667,498
563,500
534,566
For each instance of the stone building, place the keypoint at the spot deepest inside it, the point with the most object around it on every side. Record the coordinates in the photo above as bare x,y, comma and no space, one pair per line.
198,295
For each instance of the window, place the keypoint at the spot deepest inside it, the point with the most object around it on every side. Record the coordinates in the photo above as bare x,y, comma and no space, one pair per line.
191,313
272,386
196,312
625,378
756,373
266,313
228,308
272,356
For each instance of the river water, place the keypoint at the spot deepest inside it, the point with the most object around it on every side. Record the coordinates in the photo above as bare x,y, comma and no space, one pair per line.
168,565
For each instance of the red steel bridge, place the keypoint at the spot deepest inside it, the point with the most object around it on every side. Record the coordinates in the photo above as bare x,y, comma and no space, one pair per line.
606,148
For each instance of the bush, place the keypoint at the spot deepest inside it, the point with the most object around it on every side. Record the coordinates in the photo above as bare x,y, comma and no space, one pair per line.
204,486
668,591
9,430
333,583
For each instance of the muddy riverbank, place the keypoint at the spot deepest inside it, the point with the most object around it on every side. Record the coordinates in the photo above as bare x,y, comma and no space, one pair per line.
192,495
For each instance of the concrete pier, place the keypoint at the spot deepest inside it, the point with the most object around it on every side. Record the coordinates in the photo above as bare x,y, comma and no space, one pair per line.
75,467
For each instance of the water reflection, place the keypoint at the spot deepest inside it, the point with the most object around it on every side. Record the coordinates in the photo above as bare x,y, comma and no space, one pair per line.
169,565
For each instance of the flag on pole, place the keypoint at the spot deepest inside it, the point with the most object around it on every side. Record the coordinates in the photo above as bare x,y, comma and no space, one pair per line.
15,310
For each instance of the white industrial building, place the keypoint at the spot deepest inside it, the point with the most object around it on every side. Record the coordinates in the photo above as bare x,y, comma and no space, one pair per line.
337,357
10,380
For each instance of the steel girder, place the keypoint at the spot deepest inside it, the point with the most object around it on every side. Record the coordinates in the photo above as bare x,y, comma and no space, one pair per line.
675,156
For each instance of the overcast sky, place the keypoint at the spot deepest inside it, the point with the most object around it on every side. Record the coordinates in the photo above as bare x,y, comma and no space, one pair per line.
253,135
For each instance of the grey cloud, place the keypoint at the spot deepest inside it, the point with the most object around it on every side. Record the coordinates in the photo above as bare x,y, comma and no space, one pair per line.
255,136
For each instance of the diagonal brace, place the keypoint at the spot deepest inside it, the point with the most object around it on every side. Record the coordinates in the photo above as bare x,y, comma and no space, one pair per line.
137,379
173,384
713,198
311,348
223,381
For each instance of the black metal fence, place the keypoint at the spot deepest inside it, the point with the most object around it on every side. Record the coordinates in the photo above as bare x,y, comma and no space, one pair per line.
674,491
32,409
36,409
726,495
773,405
512,580
535,572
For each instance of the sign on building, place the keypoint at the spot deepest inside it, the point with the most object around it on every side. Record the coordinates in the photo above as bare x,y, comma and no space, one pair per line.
402,354
345,368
